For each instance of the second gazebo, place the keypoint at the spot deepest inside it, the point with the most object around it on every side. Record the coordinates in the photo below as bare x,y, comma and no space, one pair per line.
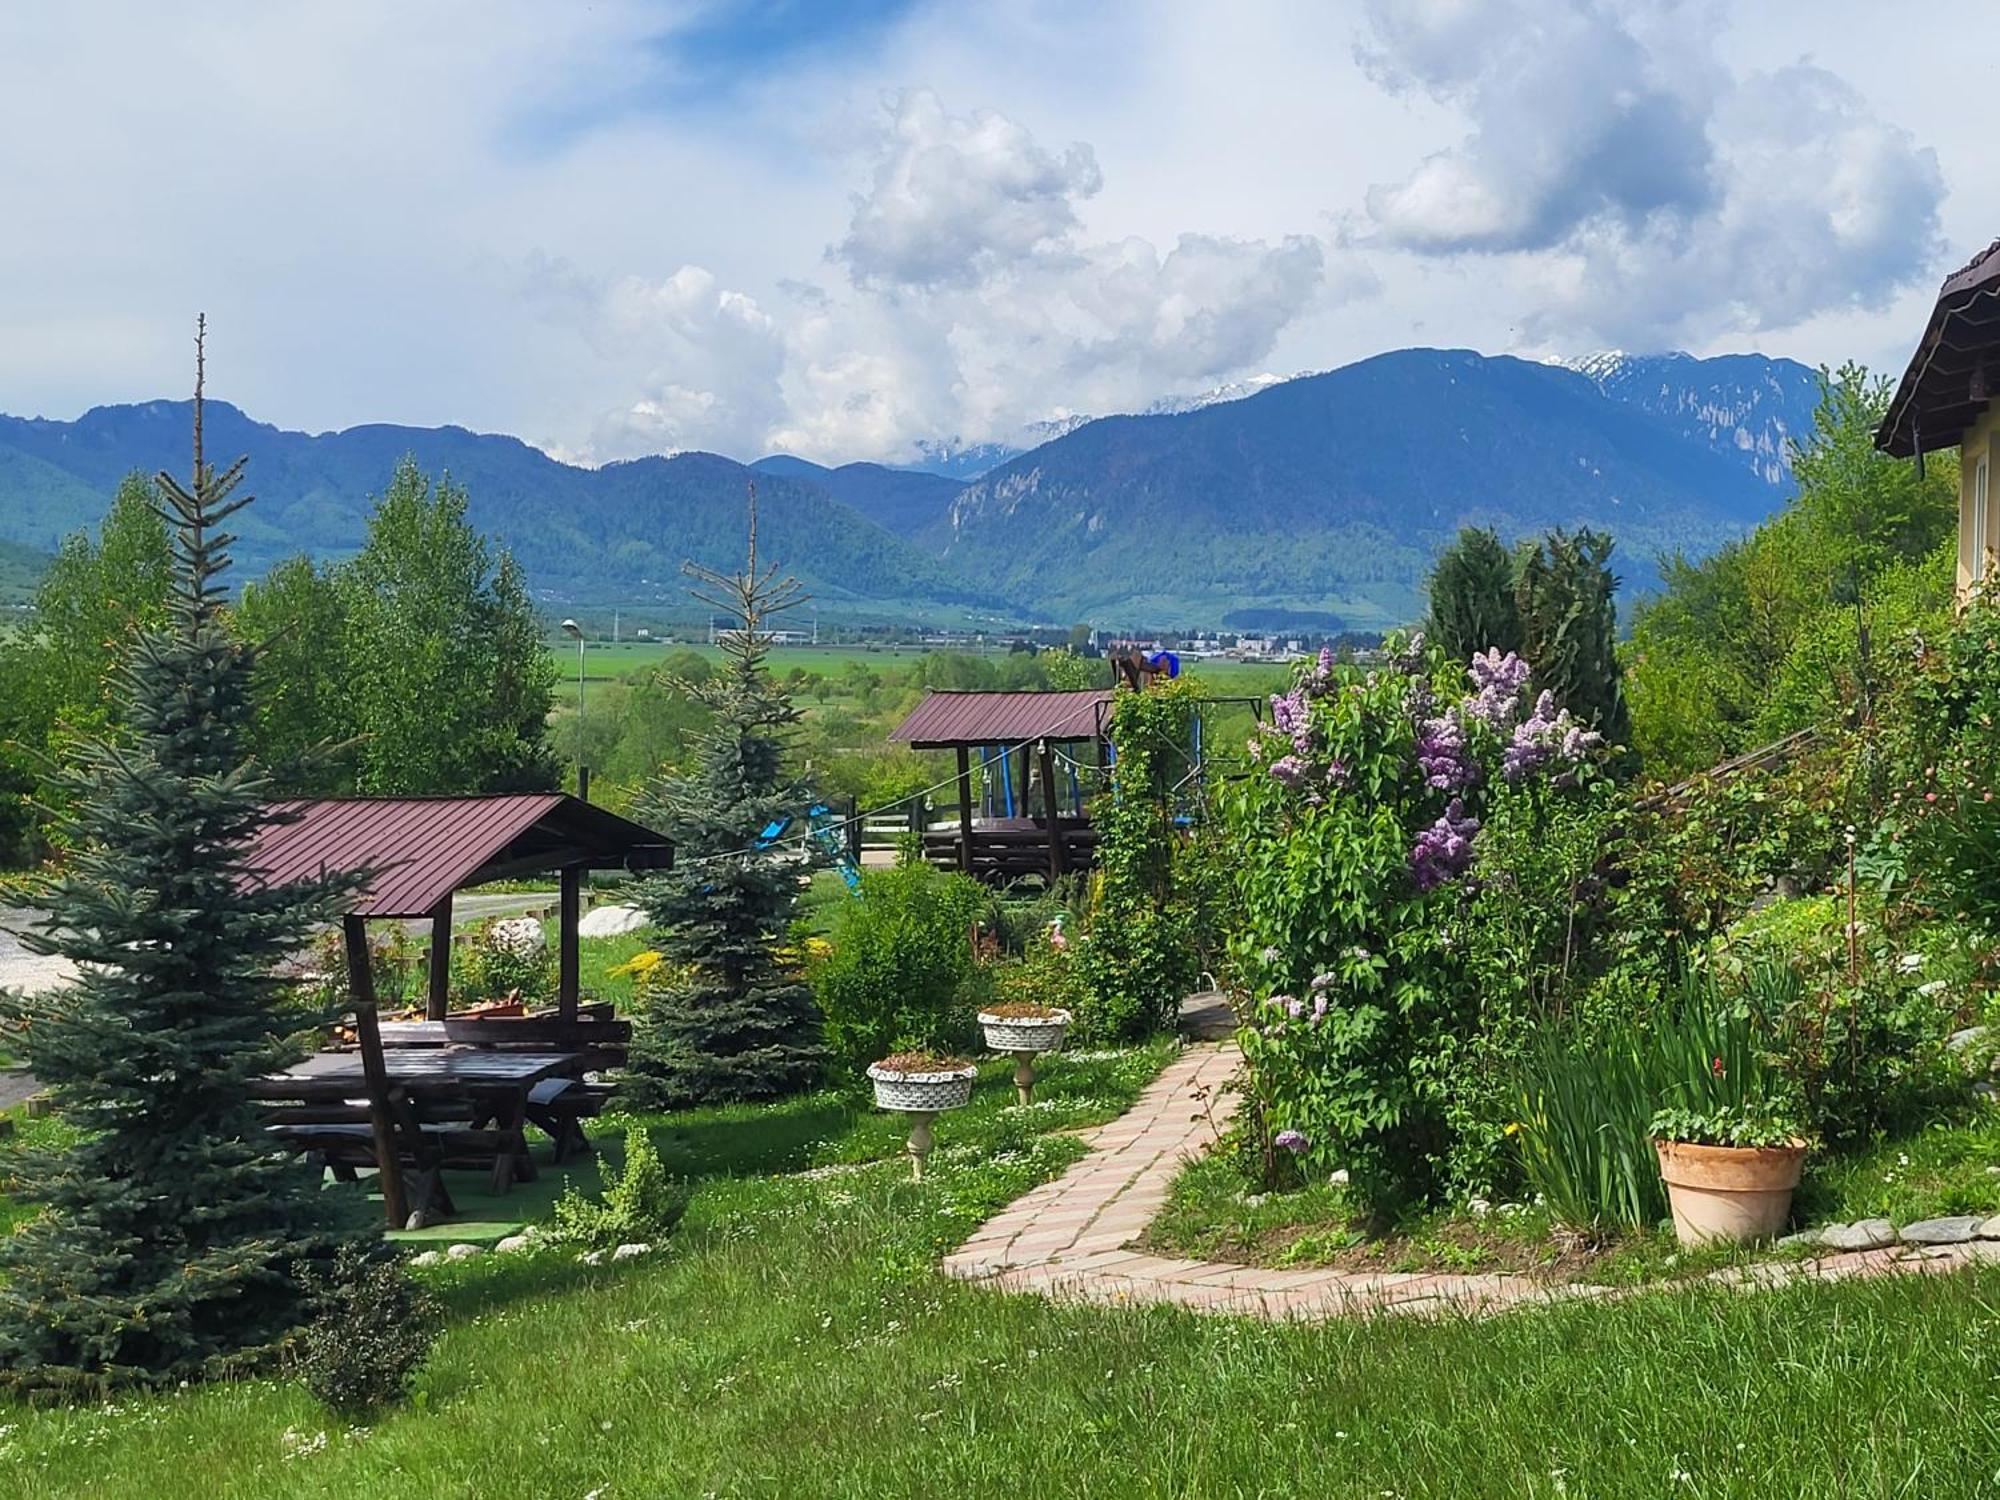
1026,816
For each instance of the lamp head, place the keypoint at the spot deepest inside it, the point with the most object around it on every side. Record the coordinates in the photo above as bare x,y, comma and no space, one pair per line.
573,630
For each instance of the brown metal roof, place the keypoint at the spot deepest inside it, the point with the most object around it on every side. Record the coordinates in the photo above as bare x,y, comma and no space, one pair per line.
945,720
1955,372
424,848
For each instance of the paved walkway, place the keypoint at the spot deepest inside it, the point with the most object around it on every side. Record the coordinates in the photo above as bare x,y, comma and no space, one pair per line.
1068,1238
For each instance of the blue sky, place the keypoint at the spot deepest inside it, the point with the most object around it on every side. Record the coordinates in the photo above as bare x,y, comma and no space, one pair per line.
846,228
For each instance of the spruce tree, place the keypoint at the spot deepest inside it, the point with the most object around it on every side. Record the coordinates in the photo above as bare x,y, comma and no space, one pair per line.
731,1020
170,1232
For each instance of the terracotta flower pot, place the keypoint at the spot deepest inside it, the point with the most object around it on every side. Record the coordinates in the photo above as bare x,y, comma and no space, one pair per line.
1729,1195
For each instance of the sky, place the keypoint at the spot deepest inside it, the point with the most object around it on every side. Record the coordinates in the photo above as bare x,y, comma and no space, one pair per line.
849,228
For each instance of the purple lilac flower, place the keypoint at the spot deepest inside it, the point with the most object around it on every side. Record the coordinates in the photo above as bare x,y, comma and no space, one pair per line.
1443,851
1319,1006
1322,980
1498,682
1290,716
1442,755
1323,668
1410,659
1289,771
1290,1140
1548,735
1294,1007
1337,774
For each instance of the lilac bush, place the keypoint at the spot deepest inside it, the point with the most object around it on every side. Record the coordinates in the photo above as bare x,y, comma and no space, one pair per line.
1358,848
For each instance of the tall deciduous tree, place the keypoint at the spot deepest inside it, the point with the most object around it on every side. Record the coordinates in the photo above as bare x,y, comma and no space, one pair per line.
170,1233
424,651
733,1021
1716,658
58,677
1472,597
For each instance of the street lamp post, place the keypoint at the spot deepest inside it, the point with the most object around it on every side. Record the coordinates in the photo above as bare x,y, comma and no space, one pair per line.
575,632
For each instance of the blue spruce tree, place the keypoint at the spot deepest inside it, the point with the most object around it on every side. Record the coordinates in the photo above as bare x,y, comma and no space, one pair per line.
170,1233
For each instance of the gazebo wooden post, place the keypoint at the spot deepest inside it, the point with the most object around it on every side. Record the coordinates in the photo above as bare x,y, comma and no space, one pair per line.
567,988
1048,759
439,999
367,1033
965,808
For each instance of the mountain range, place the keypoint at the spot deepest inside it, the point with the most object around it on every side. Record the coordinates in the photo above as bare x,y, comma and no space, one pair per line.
1321,497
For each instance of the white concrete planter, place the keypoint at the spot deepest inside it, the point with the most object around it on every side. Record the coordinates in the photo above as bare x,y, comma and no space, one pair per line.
921,1096
1017,1034
922,1093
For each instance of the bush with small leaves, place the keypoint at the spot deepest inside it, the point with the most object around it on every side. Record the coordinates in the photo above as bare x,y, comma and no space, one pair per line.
371,1329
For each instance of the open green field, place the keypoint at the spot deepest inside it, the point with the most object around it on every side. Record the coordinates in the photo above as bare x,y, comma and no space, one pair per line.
792,1338
605,661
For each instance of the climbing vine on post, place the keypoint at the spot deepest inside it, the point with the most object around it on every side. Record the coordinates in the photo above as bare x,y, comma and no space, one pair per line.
1138,960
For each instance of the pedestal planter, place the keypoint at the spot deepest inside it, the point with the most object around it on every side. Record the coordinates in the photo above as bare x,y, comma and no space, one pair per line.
922,1094
1025,1036
1729,1195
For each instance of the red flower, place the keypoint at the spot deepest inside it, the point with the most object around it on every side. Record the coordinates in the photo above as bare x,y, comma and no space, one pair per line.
1717,1068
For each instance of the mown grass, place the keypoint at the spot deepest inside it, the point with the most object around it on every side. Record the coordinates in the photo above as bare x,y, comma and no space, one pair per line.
794,1340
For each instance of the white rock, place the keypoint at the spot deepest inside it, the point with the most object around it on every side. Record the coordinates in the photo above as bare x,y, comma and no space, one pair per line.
592,1257
1805,1239
426,1257
611,921
1988,1229
519,935
514,1242
1339,1177
1864,1234
1479,1208
1954,1230
464,1252
626,1252
1958,1041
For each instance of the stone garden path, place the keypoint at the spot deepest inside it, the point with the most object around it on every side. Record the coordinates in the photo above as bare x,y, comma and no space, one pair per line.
1069,1238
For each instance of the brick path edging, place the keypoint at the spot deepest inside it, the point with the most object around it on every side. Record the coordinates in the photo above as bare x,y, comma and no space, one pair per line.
1067,1238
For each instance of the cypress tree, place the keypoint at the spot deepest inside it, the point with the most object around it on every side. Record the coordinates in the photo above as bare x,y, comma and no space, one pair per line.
731,1020
1473,607
1569,617
170,1232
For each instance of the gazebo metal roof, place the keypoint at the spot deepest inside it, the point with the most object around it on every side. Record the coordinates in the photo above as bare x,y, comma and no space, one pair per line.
424,848
945,720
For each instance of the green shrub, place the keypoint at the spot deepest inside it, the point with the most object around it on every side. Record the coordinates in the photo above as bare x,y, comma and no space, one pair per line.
370,1329
502,961
901,974
1045,975
640,1202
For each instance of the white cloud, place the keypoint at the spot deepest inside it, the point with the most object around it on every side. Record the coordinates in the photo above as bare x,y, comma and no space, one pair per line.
972,307
1636,191
953,197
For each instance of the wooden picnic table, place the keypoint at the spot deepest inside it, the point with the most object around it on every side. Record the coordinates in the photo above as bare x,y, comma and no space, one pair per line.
498,1084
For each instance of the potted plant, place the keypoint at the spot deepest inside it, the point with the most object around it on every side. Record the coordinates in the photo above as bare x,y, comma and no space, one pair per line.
1730,1170
1026,1029
921,1085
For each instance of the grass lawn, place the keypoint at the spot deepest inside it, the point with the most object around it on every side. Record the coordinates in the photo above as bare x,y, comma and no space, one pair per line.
793,1339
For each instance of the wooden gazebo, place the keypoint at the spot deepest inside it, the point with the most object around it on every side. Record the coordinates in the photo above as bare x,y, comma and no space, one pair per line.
423,850
1017,737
